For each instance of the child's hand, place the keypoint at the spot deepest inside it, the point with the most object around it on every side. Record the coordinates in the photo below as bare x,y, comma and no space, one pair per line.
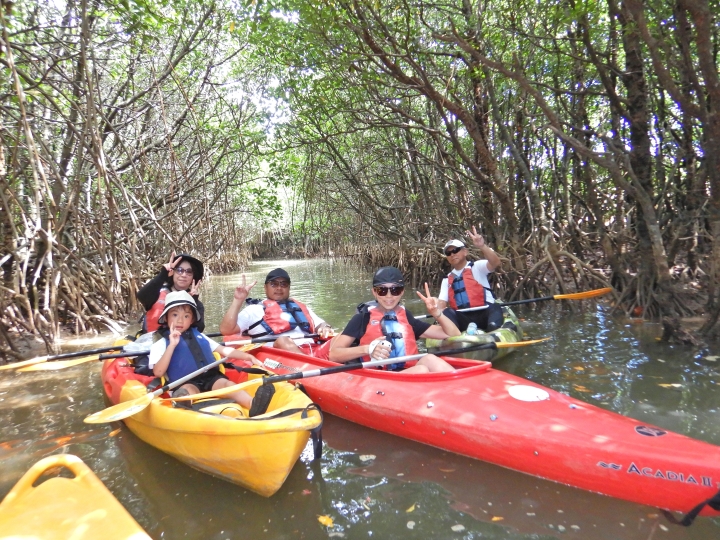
171,264
174,337
243,290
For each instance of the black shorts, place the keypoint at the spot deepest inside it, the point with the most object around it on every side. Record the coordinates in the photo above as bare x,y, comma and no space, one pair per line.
204,382
487,319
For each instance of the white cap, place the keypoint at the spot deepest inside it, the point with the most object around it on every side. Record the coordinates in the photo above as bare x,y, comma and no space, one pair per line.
178,298
455,243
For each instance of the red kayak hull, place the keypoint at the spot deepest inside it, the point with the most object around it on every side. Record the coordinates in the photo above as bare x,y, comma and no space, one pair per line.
494,416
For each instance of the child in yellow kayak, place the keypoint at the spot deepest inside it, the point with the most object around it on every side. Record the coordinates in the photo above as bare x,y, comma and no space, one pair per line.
183,349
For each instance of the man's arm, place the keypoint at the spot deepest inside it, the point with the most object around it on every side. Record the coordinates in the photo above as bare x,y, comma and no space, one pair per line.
229,324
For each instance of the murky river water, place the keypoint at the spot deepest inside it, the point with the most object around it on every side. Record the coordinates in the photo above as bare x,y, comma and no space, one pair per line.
409,490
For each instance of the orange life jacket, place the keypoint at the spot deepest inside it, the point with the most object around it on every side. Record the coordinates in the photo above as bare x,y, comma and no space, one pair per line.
153,314
464,291
272,320
395,328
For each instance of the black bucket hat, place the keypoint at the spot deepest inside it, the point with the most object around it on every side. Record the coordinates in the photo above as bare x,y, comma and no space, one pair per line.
197,266
388,274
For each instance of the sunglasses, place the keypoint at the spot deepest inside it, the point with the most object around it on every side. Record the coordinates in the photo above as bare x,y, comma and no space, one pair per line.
279,284
394,291
453,251
181,271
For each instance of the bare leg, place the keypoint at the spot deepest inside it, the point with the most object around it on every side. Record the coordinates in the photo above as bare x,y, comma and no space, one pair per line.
287,344
241,396
435,364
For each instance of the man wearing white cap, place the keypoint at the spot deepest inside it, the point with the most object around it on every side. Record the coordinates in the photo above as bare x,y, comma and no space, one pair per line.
467,286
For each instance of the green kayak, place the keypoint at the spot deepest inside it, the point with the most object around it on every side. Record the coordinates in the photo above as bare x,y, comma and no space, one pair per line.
509,332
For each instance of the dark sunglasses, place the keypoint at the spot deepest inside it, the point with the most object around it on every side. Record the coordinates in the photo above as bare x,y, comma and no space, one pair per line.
181,271
279,284
395,291
452,251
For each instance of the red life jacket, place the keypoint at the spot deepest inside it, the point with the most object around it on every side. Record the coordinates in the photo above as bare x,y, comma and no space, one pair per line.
465,291
395,328
272,320
153,314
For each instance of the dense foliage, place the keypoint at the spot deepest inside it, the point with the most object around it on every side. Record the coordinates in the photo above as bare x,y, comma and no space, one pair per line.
583,136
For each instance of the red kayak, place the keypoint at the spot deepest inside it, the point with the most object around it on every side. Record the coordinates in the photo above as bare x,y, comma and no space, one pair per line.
494,416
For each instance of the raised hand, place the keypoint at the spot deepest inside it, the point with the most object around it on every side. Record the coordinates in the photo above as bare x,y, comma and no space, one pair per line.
195,288
171,264
431,303
477,239
243,290
174,337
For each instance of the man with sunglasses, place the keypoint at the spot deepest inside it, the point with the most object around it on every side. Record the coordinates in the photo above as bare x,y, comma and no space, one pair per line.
467,286
278,315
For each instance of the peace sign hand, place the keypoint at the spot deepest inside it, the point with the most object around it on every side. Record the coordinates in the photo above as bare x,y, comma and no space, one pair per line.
431,303
171,264
478,240
195,287
243,290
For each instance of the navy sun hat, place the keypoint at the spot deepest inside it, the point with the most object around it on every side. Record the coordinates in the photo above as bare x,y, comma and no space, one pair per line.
388,274
277,273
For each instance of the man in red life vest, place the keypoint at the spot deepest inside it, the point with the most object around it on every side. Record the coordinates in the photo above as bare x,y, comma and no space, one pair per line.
467,286
277,315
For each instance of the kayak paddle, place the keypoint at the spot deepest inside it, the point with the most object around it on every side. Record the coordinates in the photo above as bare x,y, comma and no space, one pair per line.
53,357
56,365
572,296
349,367
128,408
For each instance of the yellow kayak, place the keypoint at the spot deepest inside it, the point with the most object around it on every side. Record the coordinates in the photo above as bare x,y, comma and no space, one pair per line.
216,436
60,508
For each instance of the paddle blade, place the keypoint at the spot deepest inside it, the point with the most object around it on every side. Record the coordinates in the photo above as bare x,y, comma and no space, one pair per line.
218,393
120,411
23,363
60,364
520,343
583,295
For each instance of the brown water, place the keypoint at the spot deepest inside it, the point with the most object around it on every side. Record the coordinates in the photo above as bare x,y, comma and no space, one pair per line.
408,490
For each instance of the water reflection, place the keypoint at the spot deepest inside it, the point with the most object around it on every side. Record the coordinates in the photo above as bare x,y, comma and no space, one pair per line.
611,363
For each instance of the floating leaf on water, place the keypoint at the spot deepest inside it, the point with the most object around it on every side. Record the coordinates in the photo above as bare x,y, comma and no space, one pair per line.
458,528
114,432
578,368
580,388
306,492
367,457
661,360
447,470
670,385
365,506
411,525
326,520
561,528
711,358
401,474
575,527
338,534
531,513
497,518
411,509
663,528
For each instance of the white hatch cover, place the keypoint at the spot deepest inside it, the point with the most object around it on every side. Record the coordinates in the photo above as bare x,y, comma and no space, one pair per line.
528,393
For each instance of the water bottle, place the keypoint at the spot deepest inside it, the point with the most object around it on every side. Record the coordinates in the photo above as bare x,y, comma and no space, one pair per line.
471,329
